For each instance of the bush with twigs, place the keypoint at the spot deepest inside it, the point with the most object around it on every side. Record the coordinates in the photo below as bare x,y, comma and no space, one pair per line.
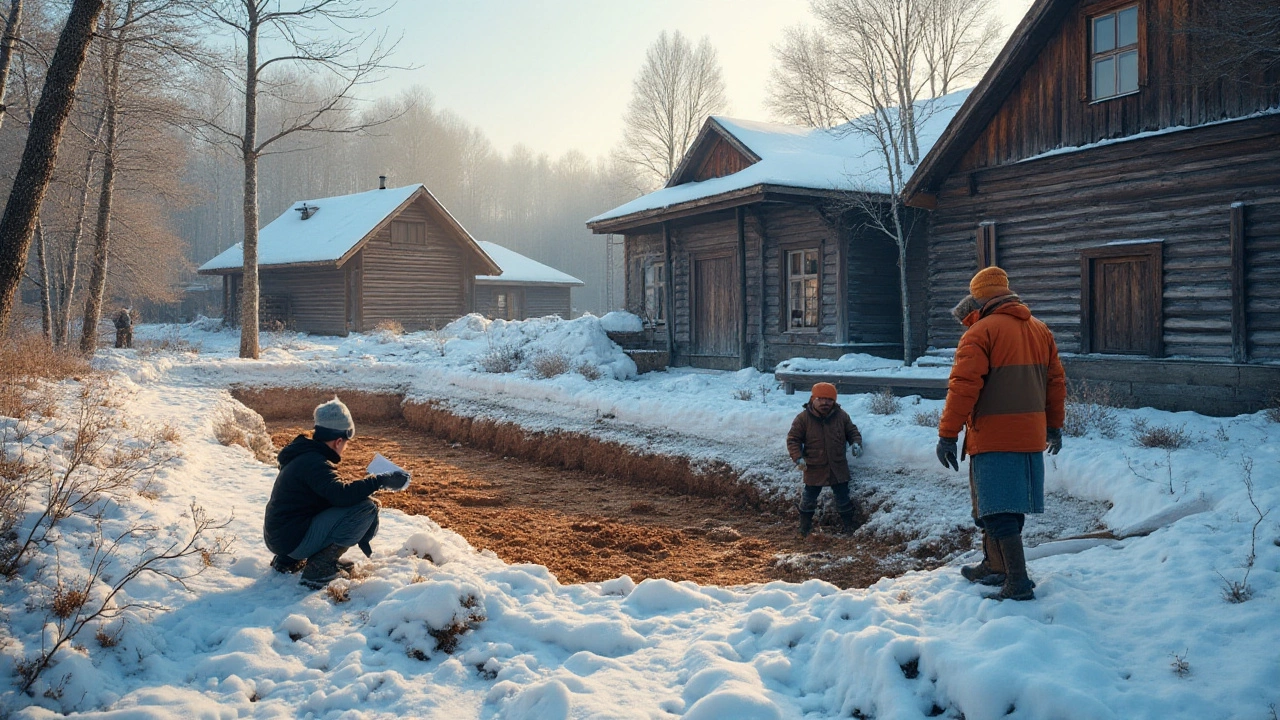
501,358
235,424
549,364
1165,437
589,371
927,418
1090,407
884,403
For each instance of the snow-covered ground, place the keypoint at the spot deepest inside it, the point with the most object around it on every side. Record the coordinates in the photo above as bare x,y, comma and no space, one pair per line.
1130,628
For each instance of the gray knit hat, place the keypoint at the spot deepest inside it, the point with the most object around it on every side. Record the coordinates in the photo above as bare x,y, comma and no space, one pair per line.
335,416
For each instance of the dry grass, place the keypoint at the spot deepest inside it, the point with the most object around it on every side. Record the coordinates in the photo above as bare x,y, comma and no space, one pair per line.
744,394
1090,408
501,358
589,371
389,327
927,418
235,424
1165,437
549,364
884,403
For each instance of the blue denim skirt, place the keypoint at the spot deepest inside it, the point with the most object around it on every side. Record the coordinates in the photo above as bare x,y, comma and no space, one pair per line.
1006,482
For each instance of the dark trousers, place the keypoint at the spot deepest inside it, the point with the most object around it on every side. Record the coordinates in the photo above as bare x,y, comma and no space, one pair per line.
809,500
345,526
1002,525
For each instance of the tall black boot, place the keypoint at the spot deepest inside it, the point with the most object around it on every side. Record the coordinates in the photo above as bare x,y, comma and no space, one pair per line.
806,523
847,525
322,567
991,570
1017,586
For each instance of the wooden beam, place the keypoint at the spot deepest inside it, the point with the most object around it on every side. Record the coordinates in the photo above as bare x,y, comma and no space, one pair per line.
744,356
1239,288
671,297
924,201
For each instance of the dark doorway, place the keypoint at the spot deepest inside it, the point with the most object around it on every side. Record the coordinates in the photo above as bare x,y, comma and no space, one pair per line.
716,307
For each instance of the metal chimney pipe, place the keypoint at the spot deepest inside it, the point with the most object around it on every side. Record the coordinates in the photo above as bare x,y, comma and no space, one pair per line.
382,182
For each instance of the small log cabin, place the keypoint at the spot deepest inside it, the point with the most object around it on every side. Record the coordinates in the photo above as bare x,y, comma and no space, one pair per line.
1136,208
525,289
753,252
344,264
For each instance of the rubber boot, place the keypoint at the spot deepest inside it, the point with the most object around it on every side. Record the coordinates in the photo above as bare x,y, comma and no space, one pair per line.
322,567
991,570
806,523
286,564
846,522
1017,586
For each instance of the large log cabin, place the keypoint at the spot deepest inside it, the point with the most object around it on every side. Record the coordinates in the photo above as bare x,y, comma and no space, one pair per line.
1136,209
751,255
347,263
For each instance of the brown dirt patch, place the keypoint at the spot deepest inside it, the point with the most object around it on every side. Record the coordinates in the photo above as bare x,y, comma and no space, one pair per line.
588,527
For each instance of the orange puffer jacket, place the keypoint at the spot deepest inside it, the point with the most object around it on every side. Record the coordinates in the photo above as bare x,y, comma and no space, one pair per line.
1007,384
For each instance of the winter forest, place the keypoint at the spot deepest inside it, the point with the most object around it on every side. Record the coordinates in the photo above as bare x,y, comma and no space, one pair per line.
750,360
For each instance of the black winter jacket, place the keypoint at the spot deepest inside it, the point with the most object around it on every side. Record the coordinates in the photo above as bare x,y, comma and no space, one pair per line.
308,484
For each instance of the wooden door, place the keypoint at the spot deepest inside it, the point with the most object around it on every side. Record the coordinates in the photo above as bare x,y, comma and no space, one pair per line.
716,307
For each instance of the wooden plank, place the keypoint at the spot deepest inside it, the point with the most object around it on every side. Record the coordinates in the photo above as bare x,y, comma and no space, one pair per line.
1239,291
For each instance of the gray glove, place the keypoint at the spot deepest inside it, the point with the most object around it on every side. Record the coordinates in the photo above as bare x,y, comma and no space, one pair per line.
947,453
394,480
802,464
856,449
1054,437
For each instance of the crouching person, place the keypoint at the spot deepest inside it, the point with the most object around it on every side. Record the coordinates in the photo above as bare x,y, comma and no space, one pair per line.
313,517
816,444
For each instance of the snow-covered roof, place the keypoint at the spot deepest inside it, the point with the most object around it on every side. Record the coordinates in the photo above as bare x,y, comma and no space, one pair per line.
329,233
839,158
518,269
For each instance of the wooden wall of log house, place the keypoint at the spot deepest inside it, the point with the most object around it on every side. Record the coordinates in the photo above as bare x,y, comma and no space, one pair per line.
873,291
317,298
713,237
543,301
1050,107
639,251
415,285
1177,188
721,159
796,227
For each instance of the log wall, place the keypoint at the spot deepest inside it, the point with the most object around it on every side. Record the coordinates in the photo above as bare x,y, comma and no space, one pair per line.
419,286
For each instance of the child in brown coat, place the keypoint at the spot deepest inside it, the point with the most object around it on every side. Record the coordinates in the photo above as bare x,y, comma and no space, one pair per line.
816,444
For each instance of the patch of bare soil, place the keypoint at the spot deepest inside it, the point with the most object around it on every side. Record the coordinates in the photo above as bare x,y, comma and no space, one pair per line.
586,527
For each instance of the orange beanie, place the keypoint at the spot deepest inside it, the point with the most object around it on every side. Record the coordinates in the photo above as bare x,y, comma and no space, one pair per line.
988,283
824,390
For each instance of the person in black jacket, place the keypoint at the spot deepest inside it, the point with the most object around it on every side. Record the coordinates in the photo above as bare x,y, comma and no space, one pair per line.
313,517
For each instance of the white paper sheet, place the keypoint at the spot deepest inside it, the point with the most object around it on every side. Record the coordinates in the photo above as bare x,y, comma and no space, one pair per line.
380,464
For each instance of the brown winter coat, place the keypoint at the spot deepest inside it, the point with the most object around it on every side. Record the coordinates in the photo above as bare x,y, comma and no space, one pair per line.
1007,383
821,442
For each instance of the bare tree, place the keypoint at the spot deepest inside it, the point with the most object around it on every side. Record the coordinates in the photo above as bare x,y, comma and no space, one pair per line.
961,38
801,87
292,28
13,22
677,88
39,157
1233,39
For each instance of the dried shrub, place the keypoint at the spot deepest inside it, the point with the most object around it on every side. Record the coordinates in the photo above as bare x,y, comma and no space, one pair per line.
338,592
437,340
447,637
170,341
549,364
884,403
501,358
26,356
67,601
388,328
589,371
169,434
106,639
1090,408
744,394
1180,666
927,418
235,424
1165,437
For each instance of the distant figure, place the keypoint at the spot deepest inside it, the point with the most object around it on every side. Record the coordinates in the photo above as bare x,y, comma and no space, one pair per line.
124,328
1008,388
313,517
816,444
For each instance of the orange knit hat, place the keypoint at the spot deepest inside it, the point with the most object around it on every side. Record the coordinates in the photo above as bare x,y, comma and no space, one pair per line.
824,390
988,283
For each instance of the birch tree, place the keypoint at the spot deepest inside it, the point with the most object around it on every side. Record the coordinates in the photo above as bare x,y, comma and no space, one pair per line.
13,21
305,36
679,85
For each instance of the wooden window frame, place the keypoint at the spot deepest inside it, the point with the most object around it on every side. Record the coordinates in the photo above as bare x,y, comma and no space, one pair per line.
1087,15
658,268
986,245
785,286
1154,250
413,239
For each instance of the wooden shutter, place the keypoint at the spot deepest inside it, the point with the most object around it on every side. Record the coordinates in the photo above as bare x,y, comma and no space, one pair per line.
986,244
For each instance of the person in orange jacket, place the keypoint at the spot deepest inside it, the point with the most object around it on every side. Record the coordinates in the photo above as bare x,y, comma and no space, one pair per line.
1008,391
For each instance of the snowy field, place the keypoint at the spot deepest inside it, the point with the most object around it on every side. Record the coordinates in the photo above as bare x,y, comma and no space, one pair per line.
1135,627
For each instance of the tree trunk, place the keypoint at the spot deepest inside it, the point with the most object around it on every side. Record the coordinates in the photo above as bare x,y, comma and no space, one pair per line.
904,287
41,152
96,289
6,49
249,284
71,268
46,311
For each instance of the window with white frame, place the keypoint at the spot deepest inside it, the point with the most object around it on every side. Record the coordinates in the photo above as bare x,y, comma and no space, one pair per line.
1113,50
803,293
655,291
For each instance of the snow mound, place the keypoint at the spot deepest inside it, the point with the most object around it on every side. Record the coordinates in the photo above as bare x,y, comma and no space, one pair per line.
620,321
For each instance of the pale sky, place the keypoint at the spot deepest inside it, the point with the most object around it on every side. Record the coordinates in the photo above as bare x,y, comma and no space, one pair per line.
556,75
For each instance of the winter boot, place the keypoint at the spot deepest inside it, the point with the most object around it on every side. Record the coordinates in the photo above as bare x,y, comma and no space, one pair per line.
847,525
991,570
322,567
806,523
286,564
1017,586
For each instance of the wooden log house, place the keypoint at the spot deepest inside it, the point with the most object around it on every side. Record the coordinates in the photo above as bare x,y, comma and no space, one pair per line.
1136,209
344,264
525,289
752,254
